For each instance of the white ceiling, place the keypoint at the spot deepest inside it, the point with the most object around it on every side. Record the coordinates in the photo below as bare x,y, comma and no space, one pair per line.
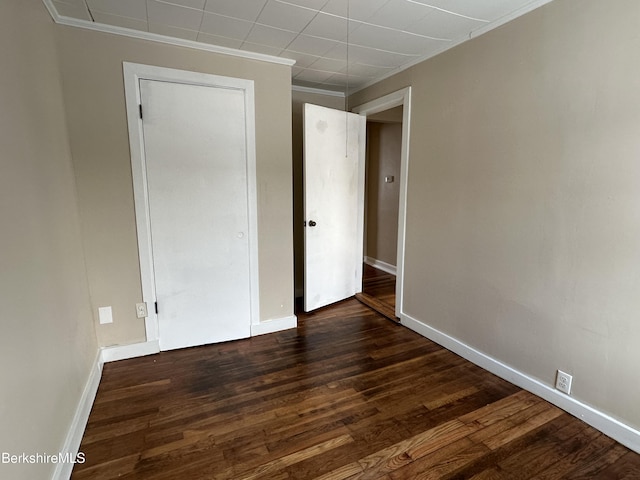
335,43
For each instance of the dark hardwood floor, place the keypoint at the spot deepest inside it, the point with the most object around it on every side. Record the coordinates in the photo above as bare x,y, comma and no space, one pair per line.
379,291
347,395
379,284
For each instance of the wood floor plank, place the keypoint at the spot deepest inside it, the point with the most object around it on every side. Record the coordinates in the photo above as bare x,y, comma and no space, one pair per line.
347,395
443,461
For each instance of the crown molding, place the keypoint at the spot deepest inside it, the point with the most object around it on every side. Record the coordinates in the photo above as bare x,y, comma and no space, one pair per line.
317,91
154,37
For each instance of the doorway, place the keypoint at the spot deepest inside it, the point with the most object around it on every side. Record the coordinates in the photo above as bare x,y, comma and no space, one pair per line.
382,199
402,99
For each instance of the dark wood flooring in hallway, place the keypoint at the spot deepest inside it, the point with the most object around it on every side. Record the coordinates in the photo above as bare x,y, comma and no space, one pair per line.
379,291
347,395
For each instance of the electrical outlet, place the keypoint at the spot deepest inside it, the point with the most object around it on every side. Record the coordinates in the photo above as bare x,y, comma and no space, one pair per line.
563,382
141,310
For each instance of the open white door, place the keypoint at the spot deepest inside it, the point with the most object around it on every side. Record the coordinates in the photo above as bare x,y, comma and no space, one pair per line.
334,147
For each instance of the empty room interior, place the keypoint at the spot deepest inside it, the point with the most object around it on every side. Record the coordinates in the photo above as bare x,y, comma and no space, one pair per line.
194,192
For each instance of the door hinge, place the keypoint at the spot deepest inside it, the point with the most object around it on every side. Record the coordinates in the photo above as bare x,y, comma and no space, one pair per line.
140,110
156,305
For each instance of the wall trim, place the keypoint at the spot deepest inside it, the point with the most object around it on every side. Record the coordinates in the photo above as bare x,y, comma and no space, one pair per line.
275,325
155,37
73,439
380,265
622,433
122,352
317,91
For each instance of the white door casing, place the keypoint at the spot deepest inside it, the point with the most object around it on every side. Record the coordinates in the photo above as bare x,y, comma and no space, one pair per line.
395,99
176,195
334,158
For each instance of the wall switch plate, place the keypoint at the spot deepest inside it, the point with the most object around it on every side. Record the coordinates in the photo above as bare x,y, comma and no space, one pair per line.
141,310
105,315
563,382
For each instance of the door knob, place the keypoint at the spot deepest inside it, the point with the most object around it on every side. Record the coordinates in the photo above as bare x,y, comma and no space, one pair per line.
312,223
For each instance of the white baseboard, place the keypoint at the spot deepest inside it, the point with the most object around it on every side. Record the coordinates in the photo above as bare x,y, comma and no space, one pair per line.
608,425
122,352
274,325
380,265
80,419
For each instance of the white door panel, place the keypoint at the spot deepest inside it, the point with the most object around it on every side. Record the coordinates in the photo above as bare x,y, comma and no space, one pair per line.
196,167
333,204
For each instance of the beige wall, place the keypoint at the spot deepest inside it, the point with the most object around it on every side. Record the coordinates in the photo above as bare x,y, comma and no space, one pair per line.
47,340
298,100
94,96
384,143
523,215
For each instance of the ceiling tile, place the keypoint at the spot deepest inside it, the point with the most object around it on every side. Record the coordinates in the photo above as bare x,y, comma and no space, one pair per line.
296,70
374,57
124,22
244,9
479,10
73,11
225,26
287,17
218,40
328,64
398,14
361,70
174,15
122,8
170,31
328,26
309,75
391,40
358,9
198,4
338,52
311,45
440,24
253,47
272,37
341,80
313,4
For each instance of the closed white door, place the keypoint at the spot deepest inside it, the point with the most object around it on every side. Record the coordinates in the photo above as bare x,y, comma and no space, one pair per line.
196,166
334,143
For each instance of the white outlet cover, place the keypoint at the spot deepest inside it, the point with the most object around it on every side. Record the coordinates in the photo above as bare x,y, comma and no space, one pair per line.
105,315
141,310
563,382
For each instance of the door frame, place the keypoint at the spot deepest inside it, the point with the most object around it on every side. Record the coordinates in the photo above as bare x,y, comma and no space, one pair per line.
396,99
133,73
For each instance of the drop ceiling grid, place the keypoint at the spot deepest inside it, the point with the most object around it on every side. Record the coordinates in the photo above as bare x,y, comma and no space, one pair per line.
382,35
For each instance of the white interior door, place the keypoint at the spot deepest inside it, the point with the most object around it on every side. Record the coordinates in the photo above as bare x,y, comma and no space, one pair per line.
334,143
196,166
